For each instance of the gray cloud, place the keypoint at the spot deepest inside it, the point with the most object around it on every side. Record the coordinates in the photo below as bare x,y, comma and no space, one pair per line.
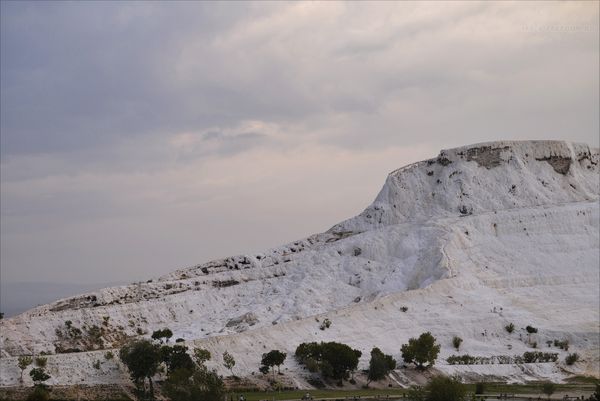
200,129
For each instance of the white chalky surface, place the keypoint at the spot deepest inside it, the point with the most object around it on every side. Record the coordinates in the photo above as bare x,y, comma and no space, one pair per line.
469,241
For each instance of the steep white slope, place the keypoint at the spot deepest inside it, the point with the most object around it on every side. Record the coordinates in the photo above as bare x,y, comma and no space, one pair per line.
506,225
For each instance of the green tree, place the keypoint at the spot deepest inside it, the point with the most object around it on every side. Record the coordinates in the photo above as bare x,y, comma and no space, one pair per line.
142,359
509,328
176,357
228,361
548,388
421,350
23,362
273,358
201,356
334,360
379,365
201,384
342,359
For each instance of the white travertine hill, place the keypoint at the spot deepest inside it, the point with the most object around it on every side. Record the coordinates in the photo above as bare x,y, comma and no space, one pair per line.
469,241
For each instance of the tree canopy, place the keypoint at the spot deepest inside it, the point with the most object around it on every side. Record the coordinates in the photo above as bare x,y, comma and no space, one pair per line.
421,351
273,358
334,360
38,375
142,359
201,356
379,365
176,357
228,361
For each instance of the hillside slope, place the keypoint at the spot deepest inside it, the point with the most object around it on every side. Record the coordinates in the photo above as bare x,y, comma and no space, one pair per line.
469,241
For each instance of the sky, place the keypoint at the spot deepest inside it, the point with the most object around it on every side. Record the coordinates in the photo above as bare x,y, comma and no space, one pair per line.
141,137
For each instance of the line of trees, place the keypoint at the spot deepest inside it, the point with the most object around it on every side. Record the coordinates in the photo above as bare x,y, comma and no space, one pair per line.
187,379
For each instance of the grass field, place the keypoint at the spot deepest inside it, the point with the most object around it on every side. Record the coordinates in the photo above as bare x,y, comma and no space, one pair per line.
582,384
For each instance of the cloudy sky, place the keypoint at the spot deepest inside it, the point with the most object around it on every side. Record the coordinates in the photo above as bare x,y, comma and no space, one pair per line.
137,138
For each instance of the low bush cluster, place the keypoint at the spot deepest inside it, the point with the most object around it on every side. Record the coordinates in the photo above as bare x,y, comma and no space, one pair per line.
527,357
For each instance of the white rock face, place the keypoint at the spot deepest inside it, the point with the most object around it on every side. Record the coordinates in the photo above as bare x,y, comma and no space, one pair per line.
470,241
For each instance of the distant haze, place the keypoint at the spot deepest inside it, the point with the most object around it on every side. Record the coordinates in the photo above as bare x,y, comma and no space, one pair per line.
141,137
17,297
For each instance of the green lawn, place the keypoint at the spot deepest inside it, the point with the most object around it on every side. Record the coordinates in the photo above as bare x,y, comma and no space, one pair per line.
581,384
318,394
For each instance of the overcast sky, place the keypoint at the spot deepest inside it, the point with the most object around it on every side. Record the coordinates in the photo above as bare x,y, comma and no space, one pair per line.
141,137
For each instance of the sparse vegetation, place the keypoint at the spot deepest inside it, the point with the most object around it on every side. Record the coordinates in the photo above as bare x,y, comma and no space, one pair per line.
325,324
228,361
456,342
41,361
159,335
201,356
527,357
24,362
572,358
537,356
564,344
531,330
108,355
96,364
422,351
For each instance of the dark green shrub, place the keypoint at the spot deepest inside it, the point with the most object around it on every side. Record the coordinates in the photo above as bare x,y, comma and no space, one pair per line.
572,358
379,365
456,342
334,360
